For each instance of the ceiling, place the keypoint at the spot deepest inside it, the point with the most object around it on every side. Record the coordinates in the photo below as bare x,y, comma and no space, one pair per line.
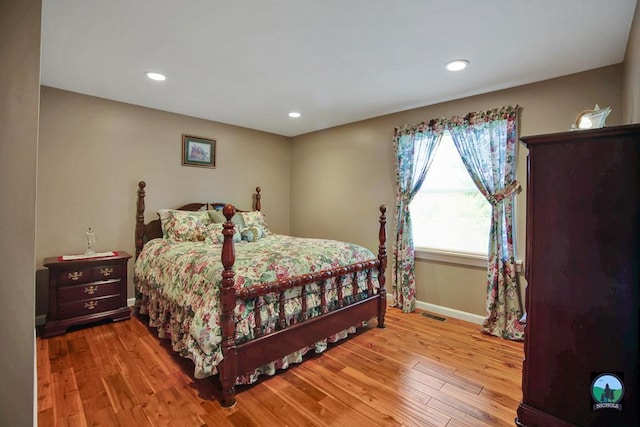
250,62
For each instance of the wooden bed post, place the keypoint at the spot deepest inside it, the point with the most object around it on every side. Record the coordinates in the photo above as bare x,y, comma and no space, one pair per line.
258,198
228,369
140,218
382,256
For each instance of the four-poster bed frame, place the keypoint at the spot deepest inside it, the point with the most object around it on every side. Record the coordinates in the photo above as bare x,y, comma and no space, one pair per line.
240,358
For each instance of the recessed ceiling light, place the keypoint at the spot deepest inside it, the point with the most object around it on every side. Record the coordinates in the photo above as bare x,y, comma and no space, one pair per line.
155,76
294,115
457,64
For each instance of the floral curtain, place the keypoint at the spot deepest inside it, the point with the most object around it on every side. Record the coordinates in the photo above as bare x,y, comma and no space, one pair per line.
414,148
487,143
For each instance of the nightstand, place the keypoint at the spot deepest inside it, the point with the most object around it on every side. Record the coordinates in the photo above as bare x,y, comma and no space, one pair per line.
86,290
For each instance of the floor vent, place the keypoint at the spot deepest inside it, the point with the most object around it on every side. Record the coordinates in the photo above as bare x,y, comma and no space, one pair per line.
434,317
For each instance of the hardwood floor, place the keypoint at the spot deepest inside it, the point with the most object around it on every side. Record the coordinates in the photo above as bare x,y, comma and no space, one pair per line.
416,372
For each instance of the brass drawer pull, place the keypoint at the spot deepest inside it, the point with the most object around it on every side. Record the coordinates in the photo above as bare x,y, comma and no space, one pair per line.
106,272
91,305
91,289
75,275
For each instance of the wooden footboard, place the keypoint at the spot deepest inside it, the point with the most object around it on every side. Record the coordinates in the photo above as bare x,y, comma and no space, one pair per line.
242,358
351,308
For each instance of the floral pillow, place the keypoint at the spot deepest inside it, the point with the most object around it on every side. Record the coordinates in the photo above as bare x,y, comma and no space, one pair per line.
184,226
255,219
215,236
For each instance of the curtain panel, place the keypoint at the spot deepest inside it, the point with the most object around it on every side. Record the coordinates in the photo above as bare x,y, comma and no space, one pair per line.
414,147
487,144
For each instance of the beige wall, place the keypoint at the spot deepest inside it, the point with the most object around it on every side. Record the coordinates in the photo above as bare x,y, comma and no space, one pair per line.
340,175
93,152
631,93
19,93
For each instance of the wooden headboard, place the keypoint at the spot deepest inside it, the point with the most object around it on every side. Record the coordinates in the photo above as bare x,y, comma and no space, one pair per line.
153,230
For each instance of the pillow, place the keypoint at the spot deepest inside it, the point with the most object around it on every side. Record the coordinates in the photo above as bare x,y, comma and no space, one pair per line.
215,236
164,219
255,219
216,216
184,226
251,234
238,220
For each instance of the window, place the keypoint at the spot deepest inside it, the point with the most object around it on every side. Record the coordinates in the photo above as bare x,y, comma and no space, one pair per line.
449,214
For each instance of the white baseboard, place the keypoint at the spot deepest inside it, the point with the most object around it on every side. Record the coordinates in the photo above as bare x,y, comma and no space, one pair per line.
131,302
34,402
450,312
445,311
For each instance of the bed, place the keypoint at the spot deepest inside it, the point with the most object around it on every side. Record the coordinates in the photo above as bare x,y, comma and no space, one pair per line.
240,306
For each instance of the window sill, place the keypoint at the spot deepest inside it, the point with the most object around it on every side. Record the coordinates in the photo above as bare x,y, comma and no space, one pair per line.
459,258
471,260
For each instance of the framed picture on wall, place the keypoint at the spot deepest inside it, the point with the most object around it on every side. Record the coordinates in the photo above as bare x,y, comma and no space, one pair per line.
198,151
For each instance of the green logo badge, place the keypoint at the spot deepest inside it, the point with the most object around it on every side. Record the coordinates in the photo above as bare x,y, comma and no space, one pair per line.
607,391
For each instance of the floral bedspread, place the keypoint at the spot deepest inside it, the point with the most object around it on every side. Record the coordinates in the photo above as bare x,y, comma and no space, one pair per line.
178,286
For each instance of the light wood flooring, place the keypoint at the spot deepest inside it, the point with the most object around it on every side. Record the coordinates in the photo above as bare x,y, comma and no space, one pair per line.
416,372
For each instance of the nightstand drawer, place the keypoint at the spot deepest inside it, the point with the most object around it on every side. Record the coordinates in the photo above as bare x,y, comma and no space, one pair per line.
107,272
89,290
88,306
75,276
86,275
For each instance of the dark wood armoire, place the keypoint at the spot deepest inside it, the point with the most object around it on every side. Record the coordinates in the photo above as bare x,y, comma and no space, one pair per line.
582,298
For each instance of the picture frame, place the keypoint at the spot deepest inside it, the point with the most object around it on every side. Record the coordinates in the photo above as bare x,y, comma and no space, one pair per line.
197,151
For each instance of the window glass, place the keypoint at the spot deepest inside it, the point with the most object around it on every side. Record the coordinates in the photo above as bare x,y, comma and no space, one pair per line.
449,213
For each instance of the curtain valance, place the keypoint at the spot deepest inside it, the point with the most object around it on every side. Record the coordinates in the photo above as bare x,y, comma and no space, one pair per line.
438,125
